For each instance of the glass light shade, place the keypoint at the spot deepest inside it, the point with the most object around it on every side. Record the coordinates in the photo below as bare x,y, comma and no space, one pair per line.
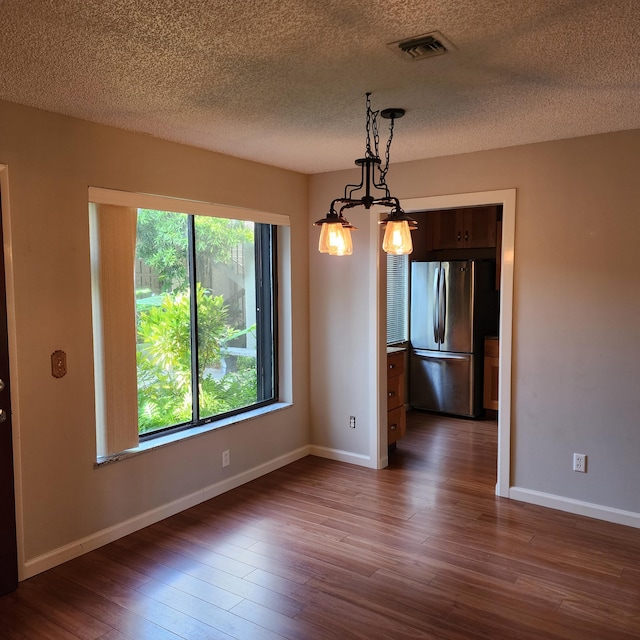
335,239
397,238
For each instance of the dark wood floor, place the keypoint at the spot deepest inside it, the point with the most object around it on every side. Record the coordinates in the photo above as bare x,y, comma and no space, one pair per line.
323,550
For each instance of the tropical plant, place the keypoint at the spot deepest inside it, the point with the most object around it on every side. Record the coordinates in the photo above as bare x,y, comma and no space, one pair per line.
164,362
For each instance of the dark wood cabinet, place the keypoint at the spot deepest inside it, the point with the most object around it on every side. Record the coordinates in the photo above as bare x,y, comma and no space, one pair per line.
396,412
491,373
465,228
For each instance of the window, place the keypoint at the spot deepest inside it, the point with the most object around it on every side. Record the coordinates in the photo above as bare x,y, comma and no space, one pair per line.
185,320
205,326
397,298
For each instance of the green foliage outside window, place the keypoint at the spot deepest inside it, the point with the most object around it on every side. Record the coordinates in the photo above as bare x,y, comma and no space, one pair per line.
162,242
164,362
164,355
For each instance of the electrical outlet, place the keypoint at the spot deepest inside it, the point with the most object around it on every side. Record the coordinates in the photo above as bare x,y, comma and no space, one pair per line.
225,458
352,422
580,462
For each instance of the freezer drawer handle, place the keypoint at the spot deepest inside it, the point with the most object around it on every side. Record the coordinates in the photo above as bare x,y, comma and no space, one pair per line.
439,355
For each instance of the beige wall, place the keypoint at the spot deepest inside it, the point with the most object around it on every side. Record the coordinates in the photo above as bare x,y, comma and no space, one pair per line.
51,161
576,377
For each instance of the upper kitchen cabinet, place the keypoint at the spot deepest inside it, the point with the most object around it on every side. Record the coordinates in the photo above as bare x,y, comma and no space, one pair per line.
468,228
470,233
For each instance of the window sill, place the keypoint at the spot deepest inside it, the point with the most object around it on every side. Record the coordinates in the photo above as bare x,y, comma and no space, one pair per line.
170,438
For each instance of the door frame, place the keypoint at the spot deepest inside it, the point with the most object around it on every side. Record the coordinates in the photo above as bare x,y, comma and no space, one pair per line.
13,365
506,198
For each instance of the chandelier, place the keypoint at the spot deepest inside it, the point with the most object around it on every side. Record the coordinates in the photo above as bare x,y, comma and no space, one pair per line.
335,233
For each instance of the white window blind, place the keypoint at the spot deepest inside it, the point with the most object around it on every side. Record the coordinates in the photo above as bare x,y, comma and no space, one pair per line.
113,247
397,298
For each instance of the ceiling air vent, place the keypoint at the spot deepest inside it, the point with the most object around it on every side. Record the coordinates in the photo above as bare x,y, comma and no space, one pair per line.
421,47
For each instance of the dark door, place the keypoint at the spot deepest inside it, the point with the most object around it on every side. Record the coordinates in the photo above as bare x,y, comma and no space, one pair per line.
8,548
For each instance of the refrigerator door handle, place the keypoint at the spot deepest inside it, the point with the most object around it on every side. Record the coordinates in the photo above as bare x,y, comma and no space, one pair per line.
436,287
442,307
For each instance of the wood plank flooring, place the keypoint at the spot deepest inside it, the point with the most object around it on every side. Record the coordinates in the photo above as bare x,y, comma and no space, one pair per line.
323,550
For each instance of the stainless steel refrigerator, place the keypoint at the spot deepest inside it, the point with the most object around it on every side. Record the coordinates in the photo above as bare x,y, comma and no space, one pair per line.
453,306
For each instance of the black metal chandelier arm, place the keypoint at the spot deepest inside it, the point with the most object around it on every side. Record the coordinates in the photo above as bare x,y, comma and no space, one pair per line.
350,204
349,189
382,184
337,201
387,201
367,197
391,203
367,180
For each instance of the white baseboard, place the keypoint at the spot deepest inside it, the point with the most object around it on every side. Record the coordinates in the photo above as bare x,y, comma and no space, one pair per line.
598,511
340,456
89,543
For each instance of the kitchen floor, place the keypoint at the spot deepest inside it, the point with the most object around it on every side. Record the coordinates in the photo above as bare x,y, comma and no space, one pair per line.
449,447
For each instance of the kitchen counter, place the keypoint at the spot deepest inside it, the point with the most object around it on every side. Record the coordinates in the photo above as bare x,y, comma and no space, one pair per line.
395,349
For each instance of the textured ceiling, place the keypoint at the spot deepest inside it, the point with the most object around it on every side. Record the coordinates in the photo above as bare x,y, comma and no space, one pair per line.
283,81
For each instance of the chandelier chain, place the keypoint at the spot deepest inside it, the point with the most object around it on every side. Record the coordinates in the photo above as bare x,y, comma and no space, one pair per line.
372,130
373,134
387,154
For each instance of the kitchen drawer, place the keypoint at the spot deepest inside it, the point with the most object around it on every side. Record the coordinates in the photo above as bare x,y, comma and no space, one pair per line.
395,363
396,424
395,392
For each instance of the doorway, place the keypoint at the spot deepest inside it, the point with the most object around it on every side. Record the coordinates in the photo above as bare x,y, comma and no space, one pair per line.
8,537
506,198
